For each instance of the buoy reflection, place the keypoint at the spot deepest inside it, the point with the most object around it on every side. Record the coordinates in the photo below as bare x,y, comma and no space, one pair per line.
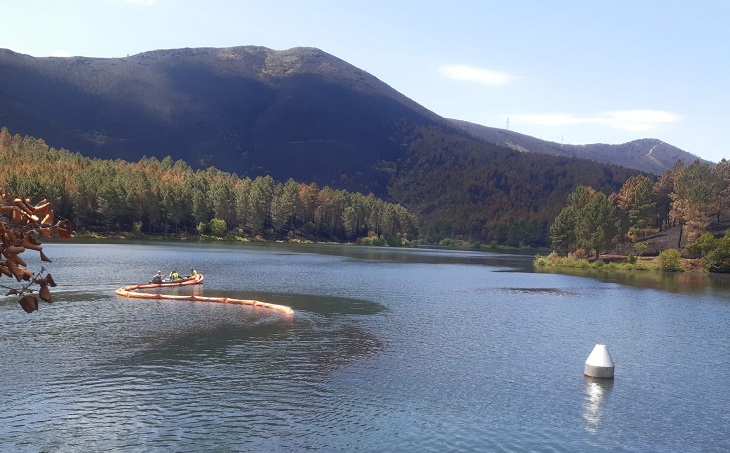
596,391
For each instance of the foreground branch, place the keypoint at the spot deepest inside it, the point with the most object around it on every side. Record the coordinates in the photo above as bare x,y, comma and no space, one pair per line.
21,224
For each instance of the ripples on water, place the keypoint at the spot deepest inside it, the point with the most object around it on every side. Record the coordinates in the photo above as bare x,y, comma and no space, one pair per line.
388,351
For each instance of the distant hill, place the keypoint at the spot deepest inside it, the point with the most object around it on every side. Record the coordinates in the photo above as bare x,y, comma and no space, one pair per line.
648,155
301,114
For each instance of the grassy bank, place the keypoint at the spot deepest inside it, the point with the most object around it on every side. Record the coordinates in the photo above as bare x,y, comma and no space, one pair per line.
667,261
553,261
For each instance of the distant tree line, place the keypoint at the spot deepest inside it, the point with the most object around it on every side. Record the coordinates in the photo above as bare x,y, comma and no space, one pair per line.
461,189
693,197
164,196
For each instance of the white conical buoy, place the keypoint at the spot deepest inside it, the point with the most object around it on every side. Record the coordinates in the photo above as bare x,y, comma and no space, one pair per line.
599,363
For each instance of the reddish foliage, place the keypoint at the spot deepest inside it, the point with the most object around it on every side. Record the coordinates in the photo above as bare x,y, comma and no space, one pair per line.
21,222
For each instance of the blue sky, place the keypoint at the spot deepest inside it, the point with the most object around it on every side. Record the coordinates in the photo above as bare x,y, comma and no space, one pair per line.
566,71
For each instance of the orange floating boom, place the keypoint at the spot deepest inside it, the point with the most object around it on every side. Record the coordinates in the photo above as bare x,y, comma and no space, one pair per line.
130,291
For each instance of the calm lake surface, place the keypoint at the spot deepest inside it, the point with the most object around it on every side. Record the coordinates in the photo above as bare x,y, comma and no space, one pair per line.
388,350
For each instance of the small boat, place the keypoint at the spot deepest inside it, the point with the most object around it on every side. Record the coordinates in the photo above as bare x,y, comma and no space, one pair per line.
191,280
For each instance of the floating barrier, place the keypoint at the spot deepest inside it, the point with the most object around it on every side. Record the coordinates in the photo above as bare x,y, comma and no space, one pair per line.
131,291
599,364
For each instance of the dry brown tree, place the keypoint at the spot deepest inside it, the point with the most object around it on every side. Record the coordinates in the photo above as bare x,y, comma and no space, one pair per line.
21,224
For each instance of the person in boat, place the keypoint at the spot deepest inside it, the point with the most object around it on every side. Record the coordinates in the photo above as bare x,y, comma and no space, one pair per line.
157,278
193,273
174,276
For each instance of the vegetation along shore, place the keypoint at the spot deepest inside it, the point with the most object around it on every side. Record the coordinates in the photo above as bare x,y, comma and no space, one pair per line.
678,221
681,220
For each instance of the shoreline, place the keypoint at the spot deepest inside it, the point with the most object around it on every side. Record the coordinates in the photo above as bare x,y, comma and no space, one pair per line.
621,262
448,244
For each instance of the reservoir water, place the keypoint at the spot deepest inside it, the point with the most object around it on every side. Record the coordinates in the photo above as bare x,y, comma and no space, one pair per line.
389,350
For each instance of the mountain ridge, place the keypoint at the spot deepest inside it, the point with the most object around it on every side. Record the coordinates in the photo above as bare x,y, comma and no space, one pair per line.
243,109
649,155
301,114
167,87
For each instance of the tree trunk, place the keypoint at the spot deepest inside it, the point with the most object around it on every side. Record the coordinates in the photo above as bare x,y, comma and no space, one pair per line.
679,242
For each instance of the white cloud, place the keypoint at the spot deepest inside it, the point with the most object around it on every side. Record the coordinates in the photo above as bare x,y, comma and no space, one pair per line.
472,74
60,53
629,120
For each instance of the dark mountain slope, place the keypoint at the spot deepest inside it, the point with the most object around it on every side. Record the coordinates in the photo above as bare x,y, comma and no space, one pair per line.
298,113
648,155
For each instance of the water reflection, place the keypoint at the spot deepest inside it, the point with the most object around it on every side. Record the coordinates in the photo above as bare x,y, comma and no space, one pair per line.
673,282
352,343
596,391
510,262
380,356
543,291
192,290
318,304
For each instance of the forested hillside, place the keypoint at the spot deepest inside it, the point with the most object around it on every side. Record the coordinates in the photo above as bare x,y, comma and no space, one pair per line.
163,197
472,191
695,199
449,185
299,113
254,113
